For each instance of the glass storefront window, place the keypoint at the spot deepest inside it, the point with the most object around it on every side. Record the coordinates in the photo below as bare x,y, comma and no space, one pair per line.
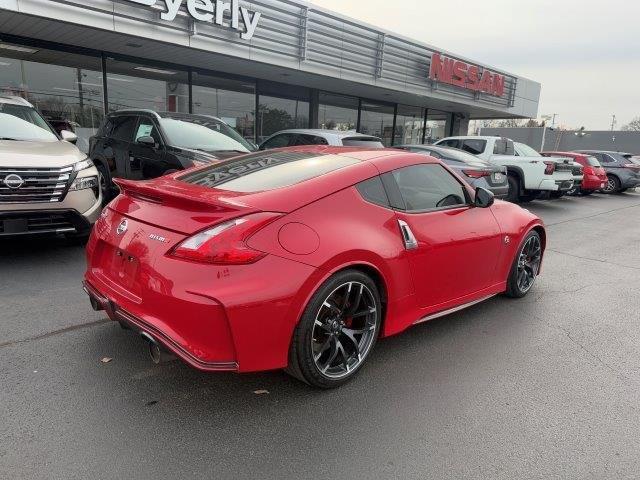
436,126
377,120
409,125
137,86
277,114
66,88
337,112
232,101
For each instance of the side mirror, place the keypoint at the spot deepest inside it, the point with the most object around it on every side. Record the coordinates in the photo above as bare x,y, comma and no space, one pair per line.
68,136
146,142
484,198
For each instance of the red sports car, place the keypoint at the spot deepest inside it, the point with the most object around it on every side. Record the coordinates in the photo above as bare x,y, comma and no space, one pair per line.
302,258
595,177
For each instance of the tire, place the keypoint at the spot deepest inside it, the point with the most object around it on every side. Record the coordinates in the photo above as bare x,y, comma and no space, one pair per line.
528,259
622,190
529,197
514,189
613,184
105,182
586,192
325,350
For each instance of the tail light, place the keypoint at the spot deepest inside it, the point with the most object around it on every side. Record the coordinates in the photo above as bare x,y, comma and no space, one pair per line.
477,173
551,167
226,243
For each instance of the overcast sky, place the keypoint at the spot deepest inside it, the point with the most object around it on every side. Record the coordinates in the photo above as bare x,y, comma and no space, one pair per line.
586,54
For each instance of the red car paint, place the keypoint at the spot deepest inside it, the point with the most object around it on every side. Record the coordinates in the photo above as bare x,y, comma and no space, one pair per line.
241,317
595,177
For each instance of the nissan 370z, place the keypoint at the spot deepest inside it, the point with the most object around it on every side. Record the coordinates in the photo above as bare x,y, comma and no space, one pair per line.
302,258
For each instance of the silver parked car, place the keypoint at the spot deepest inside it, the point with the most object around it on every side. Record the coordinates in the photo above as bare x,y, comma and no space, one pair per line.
47,185
474,170
335,138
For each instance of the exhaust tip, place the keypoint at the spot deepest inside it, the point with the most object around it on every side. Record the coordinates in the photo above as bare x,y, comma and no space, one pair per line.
156,353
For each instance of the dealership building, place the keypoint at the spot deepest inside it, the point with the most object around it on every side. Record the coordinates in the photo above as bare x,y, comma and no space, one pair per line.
260,65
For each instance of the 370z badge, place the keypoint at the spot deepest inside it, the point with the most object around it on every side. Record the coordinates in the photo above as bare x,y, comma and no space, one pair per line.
158,238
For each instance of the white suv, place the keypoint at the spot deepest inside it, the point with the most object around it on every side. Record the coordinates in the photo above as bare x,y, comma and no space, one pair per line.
528,175
46,184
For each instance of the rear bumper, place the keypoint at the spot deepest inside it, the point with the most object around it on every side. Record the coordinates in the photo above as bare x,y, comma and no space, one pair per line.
116,313
592,183
239,318
554,185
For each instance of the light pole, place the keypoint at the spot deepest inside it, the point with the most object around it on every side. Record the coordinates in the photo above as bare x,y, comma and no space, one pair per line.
546,118
613,122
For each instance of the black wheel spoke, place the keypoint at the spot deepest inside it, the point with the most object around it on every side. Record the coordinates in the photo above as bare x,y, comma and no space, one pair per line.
350,335
355,301
332,356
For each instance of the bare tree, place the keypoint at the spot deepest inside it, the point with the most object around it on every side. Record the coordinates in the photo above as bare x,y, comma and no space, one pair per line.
633,125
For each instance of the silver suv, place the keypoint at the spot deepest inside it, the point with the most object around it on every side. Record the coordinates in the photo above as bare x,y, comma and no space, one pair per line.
46,184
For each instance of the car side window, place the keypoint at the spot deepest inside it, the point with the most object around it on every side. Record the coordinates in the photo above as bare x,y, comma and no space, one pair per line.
450,143
123,128
474,146
373,191
148,128
279,141
303,139
504,147
603,157
429,187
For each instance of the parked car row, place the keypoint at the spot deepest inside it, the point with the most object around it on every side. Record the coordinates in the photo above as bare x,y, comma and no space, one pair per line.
48,186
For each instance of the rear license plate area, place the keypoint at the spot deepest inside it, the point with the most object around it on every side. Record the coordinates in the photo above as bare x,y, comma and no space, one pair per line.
120,266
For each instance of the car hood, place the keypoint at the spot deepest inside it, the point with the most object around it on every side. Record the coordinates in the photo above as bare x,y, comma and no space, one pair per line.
38,154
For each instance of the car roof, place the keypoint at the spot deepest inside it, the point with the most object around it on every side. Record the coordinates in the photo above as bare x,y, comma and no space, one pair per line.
14,100
324,133
474,137
141,111
604,151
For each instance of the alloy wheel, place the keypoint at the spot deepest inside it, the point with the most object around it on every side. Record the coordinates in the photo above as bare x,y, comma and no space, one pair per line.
529,262
611,185
344,330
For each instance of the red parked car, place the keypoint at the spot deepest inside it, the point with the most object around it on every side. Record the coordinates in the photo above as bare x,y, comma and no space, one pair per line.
302,258
595,177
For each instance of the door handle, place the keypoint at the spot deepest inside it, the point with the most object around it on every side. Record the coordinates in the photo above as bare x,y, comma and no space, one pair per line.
409,239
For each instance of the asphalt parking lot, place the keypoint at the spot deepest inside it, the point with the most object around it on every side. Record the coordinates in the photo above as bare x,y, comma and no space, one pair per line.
545,387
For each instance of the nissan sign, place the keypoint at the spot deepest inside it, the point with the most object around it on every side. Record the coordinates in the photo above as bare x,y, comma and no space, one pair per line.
461,74
210,11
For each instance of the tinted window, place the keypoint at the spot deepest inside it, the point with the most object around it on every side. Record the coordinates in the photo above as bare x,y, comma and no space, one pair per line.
429,187
302,139
203,133
503,147
371,142
605,158
474,146
373,191
123,128
279,141
449,143
267,171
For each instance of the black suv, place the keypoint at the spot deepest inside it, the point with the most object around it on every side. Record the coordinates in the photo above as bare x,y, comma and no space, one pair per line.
143,144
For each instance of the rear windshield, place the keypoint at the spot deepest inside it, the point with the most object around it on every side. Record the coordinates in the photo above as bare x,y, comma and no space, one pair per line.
369,142
593,161
267,171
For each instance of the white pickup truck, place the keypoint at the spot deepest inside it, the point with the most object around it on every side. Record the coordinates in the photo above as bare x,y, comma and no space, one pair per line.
528,176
